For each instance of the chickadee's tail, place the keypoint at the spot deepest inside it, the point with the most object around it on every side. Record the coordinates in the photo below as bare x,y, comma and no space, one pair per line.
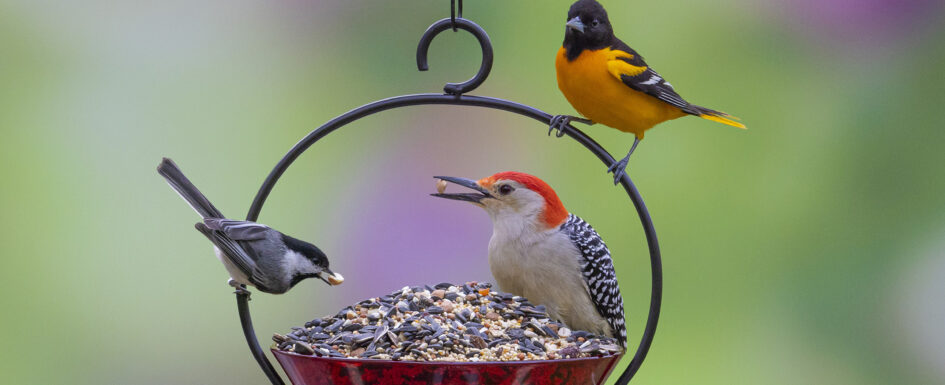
187,190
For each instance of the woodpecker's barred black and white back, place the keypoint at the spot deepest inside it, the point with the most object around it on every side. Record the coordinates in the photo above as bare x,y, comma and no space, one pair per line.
598,270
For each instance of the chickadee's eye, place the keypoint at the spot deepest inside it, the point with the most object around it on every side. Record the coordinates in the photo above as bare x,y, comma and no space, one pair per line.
505,189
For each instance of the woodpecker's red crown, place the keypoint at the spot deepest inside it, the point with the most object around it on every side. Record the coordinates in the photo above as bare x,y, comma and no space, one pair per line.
554,213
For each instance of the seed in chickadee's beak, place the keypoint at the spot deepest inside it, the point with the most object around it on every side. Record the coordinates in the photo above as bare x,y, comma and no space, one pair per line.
335,279
440,186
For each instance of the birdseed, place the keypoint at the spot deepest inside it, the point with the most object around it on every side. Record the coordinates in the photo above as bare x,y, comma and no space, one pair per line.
457,323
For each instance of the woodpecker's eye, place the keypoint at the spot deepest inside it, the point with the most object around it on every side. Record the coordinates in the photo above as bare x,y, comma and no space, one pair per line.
505,189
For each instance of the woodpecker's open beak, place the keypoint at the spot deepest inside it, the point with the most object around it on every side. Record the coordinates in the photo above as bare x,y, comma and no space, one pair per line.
469,197
576,24
332,279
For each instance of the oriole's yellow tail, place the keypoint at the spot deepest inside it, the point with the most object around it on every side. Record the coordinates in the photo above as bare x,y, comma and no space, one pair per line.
715,116
724,120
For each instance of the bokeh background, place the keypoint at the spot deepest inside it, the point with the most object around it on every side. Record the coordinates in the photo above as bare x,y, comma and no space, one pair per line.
806,250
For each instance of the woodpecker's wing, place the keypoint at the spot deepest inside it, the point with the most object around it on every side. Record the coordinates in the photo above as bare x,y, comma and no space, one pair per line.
236,253
238,230
630,68
599,276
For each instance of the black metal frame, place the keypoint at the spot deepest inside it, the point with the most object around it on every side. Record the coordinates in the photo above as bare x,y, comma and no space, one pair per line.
454,96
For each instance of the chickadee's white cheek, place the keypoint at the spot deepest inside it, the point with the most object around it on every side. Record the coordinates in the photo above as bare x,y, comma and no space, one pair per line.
295,262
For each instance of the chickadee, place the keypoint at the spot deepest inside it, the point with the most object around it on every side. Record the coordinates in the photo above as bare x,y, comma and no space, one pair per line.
253,253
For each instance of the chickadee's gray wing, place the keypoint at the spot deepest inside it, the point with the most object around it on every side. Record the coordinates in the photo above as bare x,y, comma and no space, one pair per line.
238,230
236,254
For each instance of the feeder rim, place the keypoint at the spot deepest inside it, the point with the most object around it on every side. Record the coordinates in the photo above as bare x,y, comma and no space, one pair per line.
436,363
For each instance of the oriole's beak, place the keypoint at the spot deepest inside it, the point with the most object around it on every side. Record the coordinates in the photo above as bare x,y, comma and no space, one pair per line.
469,197
332,278
576,24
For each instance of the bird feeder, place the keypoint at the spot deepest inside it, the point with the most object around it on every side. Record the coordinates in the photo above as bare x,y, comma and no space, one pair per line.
305,370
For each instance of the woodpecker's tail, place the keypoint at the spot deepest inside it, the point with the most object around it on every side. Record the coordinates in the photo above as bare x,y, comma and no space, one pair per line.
187,190
715,116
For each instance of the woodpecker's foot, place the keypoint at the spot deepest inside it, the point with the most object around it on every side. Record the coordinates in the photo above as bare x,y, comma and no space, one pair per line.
559,122
619,168
240,290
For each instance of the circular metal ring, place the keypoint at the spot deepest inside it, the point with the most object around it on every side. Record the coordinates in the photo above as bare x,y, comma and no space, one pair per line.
656,293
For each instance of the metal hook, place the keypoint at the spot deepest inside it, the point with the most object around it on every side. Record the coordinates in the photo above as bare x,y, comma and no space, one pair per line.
473,28
453,14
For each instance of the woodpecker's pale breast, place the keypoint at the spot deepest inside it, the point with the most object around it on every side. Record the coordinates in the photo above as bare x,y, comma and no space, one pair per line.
548,267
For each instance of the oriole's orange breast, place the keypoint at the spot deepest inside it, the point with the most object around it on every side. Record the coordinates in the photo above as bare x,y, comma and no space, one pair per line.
604,99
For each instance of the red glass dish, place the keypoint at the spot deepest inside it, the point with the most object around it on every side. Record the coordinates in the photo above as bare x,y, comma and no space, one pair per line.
312,370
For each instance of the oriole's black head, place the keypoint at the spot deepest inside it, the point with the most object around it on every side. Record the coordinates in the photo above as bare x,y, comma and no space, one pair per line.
587,28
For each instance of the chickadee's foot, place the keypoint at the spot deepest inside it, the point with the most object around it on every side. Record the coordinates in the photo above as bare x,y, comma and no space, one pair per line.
559,122
619,169
243,291
240,290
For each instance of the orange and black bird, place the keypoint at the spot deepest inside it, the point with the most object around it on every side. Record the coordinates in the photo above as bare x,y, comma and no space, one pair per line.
609,83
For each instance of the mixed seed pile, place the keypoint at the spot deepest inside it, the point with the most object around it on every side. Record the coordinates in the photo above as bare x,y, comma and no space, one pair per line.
444,323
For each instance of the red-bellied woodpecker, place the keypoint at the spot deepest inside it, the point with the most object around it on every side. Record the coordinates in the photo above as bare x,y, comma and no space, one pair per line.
541,252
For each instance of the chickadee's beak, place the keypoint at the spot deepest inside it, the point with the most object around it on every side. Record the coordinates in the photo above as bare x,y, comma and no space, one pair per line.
332,278
576,24
469,197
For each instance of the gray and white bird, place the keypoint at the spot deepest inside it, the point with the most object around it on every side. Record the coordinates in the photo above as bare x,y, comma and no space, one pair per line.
542,252
254,254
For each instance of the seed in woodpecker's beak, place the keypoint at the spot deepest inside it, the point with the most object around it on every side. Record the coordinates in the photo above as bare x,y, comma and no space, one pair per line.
475,197
440,186
335,279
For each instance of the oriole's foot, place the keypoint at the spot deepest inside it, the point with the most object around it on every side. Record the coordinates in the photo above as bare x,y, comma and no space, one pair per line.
619,168
240,289
559,122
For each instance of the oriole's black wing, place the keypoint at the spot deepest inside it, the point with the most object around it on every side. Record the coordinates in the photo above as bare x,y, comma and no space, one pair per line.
633,71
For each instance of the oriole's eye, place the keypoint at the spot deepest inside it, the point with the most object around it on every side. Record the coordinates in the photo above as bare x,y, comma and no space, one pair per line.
505,189
594,23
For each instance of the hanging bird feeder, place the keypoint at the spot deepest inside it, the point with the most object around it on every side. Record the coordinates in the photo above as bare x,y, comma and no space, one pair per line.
303,369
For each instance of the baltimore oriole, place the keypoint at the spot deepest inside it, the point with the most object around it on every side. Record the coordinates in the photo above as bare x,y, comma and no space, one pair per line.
609,83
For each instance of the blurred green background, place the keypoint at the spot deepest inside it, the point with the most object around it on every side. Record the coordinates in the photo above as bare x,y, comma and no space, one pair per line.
806,250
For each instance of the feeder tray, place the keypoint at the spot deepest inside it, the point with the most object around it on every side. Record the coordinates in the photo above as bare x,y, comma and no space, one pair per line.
307,370
312,370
